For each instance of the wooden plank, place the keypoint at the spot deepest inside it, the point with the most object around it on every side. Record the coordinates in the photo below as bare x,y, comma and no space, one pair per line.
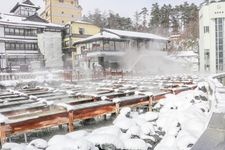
49,95
37,92
93,112
16,103
39,123
13,99
16,109
70,125
57,97
9,96
96,105
2,133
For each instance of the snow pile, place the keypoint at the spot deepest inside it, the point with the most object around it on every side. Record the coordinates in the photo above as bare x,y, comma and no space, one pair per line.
3,119
183,118
66,106
217,90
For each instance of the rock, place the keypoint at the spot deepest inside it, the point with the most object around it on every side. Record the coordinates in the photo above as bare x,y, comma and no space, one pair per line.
39,143
77,134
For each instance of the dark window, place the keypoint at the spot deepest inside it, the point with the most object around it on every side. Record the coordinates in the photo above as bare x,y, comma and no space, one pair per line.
206,29
81,31
61,1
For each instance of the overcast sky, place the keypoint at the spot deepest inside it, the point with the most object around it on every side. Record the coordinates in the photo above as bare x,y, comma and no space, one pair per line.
123,7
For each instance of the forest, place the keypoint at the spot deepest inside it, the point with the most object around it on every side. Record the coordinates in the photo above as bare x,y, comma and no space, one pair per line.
165,20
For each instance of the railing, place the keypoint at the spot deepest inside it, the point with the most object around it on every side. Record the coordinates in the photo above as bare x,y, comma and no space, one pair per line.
28,75
213,137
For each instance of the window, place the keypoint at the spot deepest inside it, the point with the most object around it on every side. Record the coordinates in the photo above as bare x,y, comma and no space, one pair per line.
21,46
7,46
207,67
17,31
6,31
81,31
67,30
61,1
20,32
219,26
17,46
11,31
62,12
13,46
207,59
62,21
67,44
206,29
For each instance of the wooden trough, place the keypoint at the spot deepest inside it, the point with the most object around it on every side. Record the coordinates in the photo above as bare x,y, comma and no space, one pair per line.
27,115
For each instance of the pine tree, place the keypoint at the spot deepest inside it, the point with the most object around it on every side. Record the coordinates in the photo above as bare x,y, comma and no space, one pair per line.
137,21
155,17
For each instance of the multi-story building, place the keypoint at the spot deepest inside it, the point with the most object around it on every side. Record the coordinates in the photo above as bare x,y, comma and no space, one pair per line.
61,11
74,31
19,36
109,48
212,36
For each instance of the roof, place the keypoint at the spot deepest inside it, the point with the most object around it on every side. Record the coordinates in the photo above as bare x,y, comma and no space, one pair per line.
132,34
35,18
187,54
82,22
32,21
99,36
26,3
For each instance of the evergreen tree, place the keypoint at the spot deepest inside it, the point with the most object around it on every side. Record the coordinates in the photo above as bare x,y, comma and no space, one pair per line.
155,17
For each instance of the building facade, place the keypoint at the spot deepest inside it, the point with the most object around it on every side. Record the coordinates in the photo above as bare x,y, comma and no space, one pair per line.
212,33
104,50
110,48
74,31
18,36
61,11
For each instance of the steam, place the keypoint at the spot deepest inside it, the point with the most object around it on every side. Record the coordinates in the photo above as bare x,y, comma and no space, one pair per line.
151,60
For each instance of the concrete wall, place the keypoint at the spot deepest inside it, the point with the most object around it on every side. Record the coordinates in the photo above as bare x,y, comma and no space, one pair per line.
207,15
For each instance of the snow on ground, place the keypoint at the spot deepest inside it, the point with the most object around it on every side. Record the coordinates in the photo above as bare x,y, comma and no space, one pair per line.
176,124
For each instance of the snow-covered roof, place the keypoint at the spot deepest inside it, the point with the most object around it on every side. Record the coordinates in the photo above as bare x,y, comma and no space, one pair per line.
132,34
82,22
26,3
187,54
99,36
12,19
